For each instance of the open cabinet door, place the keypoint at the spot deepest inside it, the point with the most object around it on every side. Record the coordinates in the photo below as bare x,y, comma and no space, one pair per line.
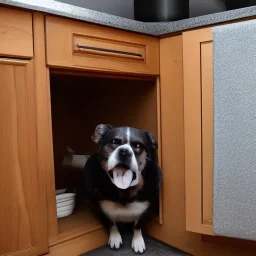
172,230
177,53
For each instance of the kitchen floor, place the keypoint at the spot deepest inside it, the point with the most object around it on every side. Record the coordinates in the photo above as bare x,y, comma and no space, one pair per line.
154,248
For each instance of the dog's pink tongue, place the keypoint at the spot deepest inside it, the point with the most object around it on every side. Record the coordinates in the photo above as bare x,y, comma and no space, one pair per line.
122,179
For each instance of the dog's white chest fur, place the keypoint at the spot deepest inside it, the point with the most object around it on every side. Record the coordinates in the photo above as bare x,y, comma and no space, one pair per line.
123,213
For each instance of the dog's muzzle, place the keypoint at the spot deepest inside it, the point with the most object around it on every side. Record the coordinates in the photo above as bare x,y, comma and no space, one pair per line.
123,167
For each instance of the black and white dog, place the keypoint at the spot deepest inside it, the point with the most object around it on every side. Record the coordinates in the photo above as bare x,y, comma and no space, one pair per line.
123,180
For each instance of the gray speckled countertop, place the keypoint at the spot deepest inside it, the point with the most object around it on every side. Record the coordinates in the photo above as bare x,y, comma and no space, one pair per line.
151,28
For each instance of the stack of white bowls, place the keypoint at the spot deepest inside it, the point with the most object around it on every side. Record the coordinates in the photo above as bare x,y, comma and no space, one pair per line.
65,203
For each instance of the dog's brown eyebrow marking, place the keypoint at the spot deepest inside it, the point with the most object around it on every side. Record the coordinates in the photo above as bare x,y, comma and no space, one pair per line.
137,140
116,138
122,140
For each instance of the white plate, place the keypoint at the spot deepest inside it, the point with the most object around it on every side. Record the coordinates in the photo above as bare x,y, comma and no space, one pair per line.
65,196
66,202
64,214
66,208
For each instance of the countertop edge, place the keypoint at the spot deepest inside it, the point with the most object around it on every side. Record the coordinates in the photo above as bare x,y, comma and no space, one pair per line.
151,28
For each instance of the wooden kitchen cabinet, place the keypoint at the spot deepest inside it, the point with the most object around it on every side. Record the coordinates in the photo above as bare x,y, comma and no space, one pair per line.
22,219
22,192
36,112
185,60
53,94
198,128
36,109
77,96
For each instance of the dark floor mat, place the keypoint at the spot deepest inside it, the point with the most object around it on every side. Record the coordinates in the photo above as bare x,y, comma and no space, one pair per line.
154,248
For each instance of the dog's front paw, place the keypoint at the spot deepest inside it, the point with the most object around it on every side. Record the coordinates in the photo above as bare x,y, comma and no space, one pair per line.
115,239
138,244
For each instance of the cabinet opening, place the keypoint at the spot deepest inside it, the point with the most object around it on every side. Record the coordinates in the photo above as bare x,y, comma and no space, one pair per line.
78,104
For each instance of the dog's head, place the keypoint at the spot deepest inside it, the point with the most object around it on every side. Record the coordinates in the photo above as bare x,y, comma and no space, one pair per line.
123,153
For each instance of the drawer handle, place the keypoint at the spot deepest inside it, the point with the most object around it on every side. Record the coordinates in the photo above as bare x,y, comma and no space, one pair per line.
108,50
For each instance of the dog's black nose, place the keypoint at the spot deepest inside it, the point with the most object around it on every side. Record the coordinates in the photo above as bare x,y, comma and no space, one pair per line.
124,153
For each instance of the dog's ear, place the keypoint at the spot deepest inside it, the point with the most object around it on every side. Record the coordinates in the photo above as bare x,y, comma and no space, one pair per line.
154,146
151,140
100,130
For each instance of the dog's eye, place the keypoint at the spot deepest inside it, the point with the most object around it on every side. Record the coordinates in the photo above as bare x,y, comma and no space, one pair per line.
137,145
115,141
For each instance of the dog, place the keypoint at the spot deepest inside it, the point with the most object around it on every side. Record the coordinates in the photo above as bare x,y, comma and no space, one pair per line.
123,179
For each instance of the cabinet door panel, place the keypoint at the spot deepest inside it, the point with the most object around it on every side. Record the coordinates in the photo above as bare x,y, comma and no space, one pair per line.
198,125
207,132
20,219
16,38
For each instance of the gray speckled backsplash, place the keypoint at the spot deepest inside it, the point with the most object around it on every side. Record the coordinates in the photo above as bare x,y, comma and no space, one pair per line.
155,29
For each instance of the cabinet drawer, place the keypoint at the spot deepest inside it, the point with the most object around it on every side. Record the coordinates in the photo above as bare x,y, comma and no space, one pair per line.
86,46
16,39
